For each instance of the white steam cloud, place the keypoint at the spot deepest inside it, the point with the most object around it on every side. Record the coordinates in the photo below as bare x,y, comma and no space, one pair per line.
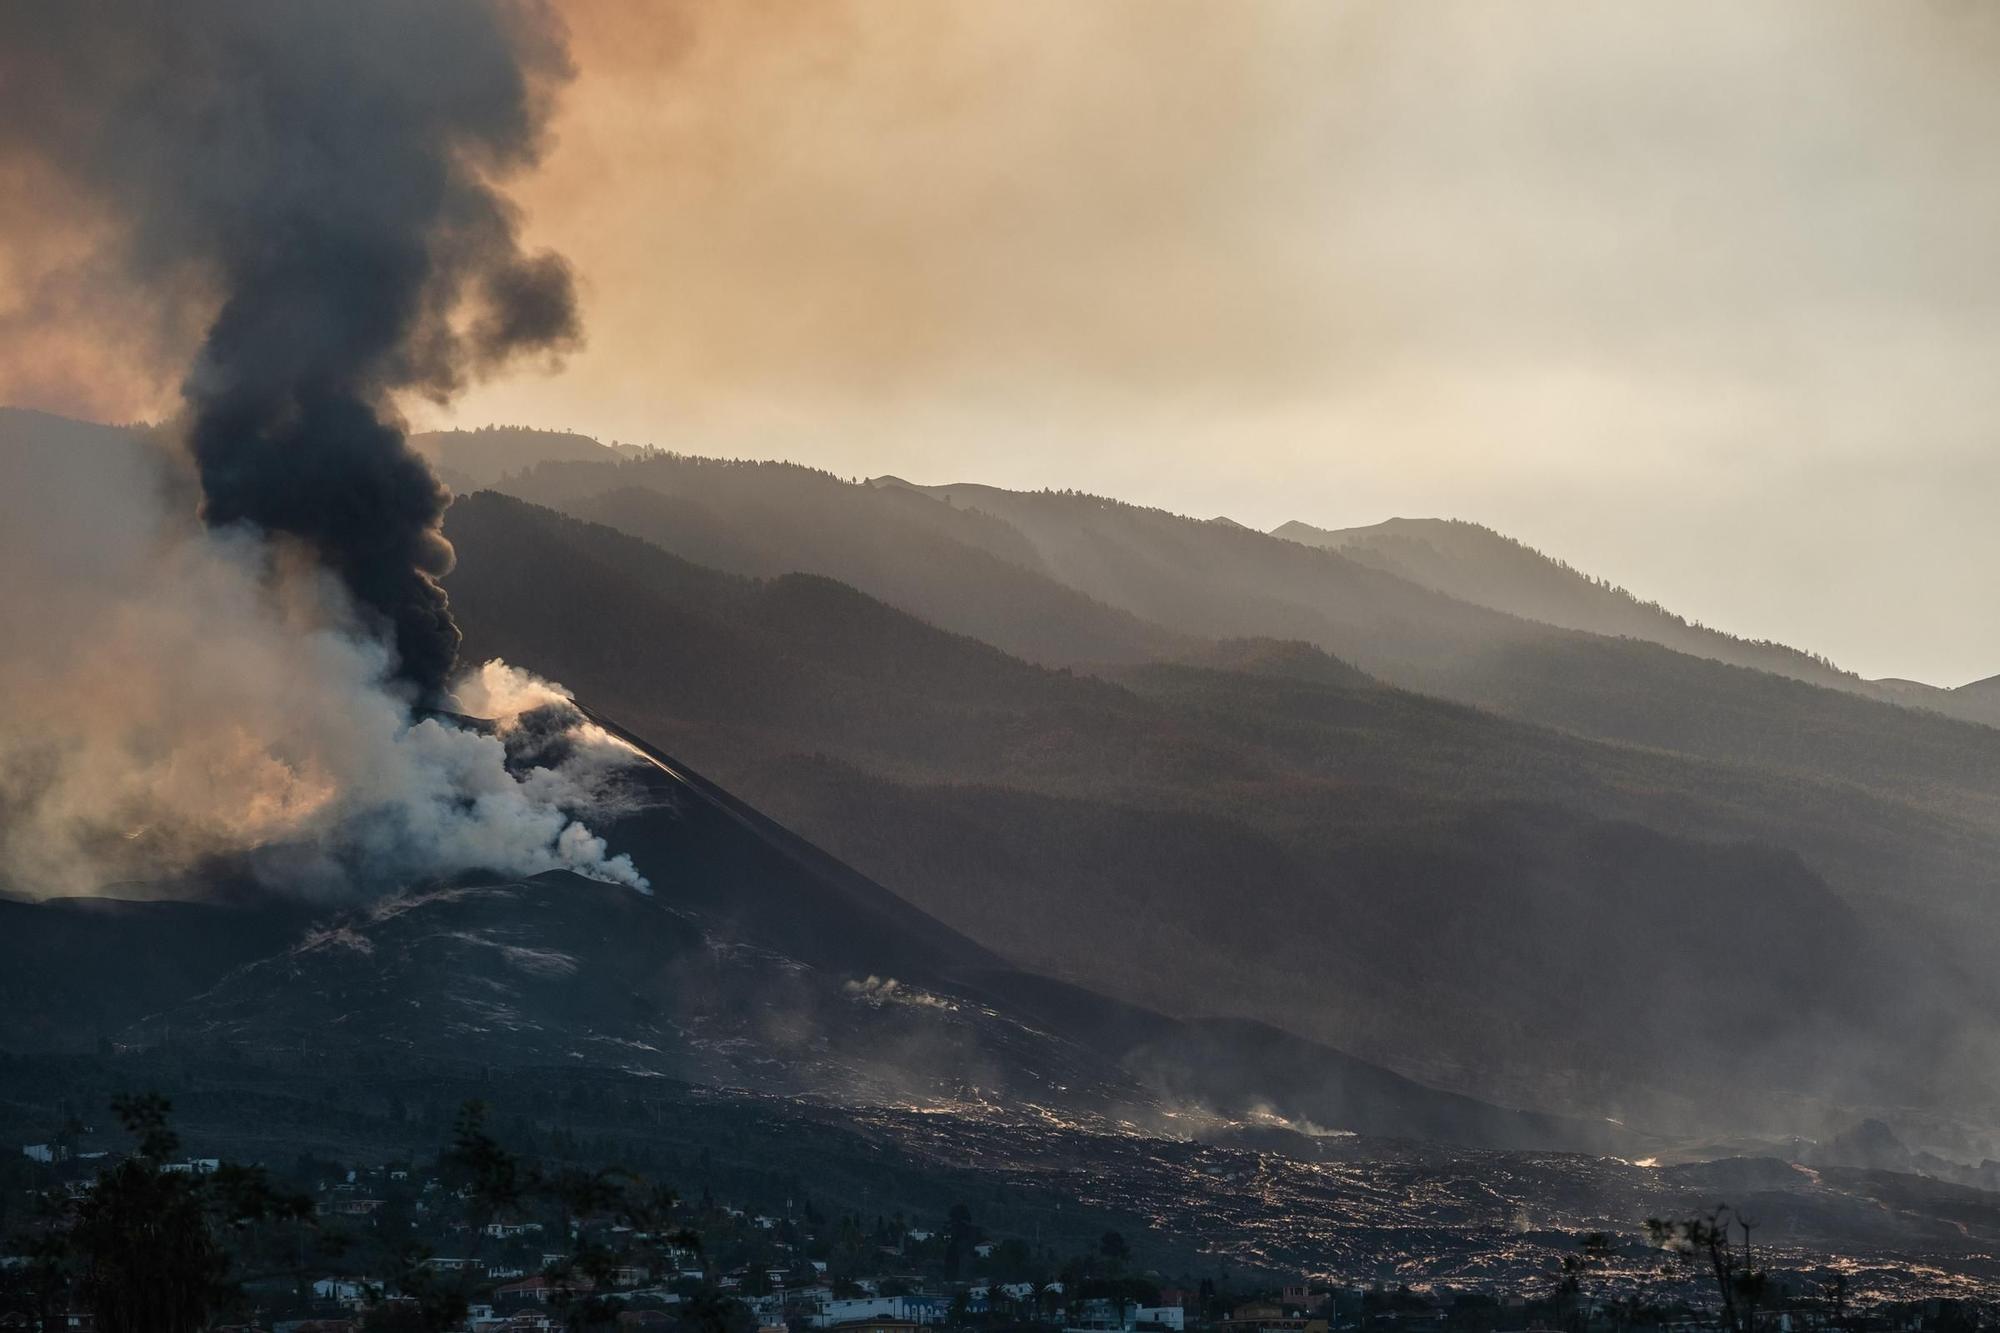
173,698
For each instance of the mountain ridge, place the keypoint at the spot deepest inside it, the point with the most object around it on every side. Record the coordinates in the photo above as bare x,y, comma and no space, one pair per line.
1005,798
1418,849
1475,563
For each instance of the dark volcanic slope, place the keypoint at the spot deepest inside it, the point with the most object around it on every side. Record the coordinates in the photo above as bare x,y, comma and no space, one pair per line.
764,963
1536,912
559,971
74,970
1897,809
1274,837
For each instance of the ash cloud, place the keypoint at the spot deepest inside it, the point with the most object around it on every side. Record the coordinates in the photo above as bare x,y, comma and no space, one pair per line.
320,181
172,694
308,198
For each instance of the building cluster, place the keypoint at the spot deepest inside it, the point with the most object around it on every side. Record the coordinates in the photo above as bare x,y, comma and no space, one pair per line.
387,1239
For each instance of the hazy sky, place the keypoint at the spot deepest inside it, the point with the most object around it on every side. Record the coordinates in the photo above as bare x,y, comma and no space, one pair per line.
1701,297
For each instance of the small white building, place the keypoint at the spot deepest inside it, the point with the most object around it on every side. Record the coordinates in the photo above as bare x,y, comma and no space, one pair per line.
832,1312
1102,1316
352,1292
194,1166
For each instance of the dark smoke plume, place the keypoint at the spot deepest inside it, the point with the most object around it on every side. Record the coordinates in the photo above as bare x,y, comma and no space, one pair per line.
322,174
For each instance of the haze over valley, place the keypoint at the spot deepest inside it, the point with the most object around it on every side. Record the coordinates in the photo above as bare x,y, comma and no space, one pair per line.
1044,728
1112,821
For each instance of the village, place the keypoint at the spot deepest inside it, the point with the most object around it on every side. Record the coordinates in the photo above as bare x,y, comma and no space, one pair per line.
387,1248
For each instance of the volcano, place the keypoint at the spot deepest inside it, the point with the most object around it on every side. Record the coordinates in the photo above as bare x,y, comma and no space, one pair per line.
759,963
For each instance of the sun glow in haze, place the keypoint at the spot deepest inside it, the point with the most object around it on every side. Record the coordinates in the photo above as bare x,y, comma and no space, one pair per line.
1700,298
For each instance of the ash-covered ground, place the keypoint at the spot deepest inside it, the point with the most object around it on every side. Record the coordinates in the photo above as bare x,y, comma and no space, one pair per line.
1208,1197
1363,1210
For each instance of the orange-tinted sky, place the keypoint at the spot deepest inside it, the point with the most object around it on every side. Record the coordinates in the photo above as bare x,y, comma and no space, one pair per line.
1699,296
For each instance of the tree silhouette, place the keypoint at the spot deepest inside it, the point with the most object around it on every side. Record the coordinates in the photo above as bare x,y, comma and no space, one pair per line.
1704,1241
148,1241
1593,1253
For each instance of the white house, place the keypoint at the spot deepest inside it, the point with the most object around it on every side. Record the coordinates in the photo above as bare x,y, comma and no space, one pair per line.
829,1313
1103,1316
349,1291
194,1166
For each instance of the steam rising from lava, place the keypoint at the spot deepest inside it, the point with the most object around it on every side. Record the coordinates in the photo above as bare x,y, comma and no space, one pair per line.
170,695
317,186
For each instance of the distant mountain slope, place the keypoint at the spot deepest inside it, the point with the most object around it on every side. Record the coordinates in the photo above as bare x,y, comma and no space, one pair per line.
1982,694
1300,845
932,559
1534,899
1479,565
22,426
960,570
1221,581
469,459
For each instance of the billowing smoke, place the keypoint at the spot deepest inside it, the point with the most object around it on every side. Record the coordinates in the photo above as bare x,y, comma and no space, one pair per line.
173,696
321,178
316,187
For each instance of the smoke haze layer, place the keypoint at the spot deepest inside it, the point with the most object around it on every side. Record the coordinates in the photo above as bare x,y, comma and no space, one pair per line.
319,183
179,694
